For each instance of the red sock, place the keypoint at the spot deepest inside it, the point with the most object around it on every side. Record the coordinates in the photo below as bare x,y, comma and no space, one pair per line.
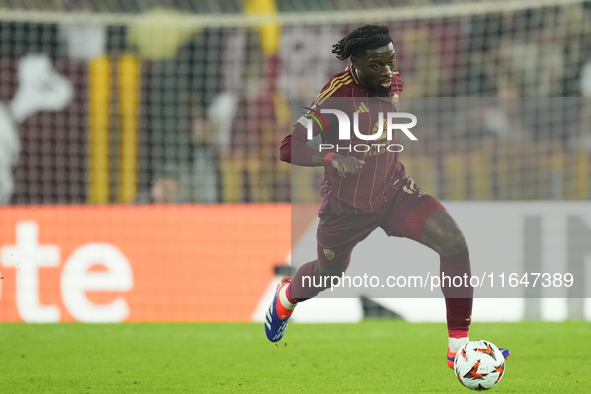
457,333
458,300
288,295
296,292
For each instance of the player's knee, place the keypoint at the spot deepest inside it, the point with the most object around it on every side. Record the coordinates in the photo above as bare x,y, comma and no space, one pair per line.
453,242
442,234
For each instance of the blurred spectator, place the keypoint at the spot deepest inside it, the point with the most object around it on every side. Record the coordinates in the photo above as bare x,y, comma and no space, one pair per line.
40,88
181,79
204,177
427,71
83,40
585,81
250,164
165,189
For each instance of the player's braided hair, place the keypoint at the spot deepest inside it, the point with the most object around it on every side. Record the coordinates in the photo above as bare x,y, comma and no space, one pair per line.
361,40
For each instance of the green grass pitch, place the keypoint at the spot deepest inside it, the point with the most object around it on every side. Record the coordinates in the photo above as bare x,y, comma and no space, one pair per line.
387,356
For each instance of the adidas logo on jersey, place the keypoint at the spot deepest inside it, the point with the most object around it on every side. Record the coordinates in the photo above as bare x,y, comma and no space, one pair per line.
362,108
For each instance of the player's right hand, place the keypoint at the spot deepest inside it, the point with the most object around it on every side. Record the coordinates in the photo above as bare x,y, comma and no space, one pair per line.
346,165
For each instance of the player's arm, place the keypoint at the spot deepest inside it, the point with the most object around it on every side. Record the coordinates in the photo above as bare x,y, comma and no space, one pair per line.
295,150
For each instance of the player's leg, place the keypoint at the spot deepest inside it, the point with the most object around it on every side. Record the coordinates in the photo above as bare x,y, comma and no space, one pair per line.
337,236
442,234
431,224
316,276
309,280
420,217
428,222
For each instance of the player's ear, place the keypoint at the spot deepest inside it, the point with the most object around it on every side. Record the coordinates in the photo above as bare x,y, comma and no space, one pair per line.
354,62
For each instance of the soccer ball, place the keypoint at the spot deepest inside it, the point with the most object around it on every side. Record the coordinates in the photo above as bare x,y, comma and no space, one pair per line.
479,365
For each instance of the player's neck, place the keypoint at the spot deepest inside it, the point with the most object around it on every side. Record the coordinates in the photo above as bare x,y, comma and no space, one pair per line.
360,81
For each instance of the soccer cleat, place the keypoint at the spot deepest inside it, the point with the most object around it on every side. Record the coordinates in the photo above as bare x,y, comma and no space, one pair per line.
506,352
277,316
452,356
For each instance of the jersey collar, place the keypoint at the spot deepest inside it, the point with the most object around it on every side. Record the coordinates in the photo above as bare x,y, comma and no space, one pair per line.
352,71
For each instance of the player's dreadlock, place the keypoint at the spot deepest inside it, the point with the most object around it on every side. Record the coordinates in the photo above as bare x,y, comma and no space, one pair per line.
361,40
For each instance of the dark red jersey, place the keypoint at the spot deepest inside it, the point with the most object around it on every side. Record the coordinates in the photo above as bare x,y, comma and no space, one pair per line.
381,174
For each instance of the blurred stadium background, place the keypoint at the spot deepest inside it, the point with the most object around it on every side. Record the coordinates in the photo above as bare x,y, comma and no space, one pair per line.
200,92
108,105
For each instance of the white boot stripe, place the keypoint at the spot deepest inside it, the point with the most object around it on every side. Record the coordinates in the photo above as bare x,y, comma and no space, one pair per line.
283,299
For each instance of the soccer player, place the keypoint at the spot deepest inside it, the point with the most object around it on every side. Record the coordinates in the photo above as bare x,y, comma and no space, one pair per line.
368,189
